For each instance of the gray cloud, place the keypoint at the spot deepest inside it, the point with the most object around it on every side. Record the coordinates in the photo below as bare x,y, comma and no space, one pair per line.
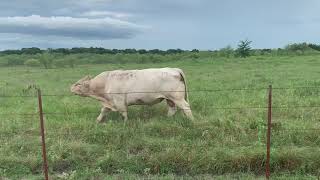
81,28
204,24
99,14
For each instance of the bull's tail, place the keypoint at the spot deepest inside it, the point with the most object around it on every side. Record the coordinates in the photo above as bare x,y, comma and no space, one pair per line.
186,97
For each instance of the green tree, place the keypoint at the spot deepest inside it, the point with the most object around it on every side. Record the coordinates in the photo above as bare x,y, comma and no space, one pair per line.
46,60
299,48
14,60
195,51
33,50
142,51
32,63
244,48
71,62
226,51
314,46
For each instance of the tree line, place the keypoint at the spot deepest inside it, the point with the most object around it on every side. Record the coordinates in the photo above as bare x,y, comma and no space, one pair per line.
63,57
94,50
243,49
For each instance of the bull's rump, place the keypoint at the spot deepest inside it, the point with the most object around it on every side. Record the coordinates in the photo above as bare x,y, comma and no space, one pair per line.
146,86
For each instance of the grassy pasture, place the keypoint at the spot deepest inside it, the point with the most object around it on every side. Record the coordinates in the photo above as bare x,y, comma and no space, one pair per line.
221,143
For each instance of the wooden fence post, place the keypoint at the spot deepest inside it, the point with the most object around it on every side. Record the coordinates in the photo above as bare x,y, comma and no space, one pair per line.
269,132
44,153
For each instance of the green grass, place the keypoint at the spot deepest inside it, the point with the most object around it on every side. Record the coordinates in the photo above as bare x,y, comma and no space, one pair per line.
221,143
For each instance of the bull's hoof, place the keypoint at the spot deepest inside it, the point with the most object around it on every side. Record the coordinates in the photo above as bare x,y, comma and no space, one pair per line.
101,121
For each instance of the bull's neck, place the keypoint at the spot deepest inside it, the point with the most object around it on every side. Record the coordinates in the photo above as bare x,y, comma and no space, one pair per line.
95,89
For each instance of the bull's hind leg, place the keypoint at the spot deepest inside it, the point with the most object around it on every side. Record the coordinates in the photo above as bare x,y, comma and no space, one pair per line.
172,109
102,117
124,112
124,115
185,107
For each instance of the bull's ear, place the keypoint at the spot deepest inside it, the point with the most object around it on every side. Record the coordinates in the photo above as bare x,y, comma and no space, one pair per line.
87,77
86,84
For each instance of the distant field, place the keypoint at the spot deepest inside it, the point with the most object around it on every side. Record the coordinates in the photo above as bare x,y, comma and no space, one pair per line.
225,143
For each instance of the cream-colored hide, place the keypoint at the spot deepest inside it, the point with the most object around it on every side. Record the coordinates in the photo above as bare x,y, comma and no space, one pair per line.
118,89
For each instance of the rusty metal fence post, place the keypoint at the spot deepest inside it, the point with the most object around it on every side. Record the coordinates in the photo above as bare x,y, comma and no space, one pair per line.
269,132
44,153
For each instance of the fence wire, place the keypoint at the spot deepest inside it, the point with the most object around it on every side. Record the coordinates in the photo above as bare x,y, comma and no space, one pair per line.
189,91
179,109
68,113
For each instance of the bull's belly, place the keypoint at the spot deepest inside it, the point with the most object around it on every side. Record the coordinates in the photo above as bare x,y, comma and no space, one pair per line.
144,100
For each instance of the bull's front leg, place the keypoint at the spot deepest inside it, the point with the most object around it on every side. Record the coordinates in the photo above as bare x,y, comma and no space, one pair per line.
102,117
124,114
122,106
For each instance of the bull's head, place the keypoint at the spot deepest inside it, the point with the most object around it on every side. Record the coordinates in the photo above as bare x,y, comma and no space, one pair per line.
81,87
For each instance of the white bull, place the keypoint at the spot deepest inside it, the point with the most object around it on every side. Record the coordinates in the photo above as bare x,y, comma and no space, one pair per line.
118,89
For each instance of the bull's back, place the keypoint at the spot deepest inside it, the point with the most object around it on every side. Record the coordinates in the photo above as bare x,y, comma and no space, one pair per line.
162,79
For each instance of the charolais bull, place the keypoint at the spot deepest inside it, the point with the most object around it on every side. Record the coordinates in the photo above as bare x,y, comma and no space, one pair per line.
118,89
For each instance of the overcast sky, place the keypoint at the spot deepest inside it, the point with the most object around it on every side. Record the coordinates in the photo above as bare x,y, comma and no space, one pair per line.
162,24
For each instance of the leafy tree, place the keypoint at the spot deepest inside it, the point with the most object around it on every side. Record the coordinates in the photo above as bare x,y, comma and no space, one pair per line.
194,56
143,58
115,51
195,51
297,47
265,51
130,51
71,62
46,60
174,51
314,46
15,60
155,51
244,48
8,52
32,63
226,51
301,48
61,50
59,63
142,51
32,50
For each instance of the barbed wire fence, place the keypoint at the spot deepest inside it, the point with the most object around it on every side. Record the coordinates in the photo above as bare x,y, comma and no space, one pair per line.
268,108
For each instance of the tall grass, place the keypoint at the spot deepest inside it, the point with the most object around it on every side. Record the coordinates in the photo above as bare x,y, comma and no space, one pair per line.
225,143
